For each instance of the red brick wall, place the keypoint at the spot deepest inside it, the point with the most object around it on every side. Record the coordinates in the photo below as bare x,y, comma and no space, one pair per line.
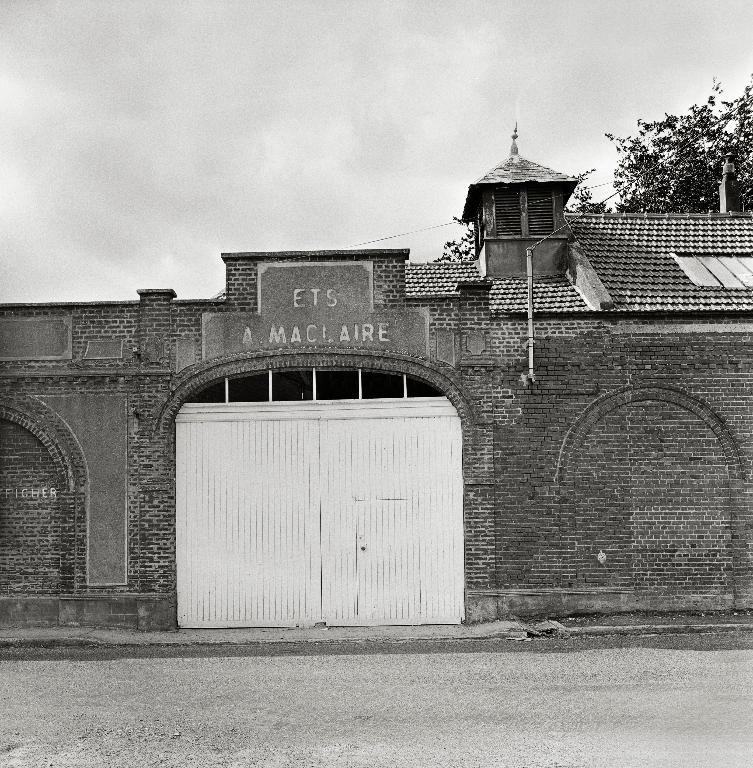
652,492
30,524
105,321
241,280
555,472
637,445
240,285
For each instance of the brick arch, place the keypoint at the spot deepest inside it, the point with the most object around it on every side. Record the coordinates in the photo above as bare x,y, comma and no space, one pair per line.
65,451
54,434
600,407
203,374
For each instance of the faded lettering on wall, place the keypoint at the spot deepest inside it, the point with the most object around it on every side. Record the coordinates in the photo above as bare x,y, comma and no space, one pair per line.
29,492
314,305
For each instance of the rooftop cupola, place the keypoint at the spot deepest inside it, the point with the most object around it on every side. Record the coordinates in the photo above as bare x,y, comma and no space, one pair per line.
513,206
729,191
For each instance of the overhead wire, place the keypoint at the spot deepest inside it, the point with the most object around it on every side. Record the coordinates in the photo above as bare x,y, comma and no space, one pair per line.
402,234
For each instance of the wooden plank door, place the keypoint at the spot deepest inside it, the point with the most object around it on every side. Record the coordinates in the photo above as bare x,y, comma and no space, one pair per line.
247,519
288,515
392,528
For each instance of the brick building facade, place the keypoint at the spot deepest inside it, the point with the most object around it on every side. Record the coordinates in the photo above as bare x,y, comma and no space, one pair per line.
616,478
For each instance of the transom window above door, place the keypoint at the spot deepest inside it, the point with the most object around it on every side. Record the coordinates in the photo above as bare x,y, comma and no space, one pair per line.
308,384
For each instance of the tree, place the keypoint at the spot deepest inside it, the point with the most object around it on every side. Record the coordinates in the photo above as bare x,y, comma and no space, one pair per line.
674,165
462,249
582,201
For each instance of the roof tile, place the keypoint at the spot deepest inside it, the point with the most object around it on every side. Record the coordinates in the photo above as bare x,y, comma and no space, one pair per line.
434,279
633,256
516,170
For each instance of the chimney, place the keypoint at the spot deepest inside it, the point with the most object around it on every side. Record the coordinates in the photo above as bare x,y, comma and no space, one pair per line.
729,192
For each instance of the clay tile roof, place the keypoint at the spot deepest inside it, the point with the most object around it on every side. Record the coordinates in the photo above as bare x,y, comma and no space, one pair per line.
550,294
515,170
435,279
633,255
518,170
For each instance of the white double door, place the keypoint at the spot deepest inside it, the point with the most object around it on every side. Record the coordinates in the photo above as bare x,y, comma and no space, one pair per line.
344,513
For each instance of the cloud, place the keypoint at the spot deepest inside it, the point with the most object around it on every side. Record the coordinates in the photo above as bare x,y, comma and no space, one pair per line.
138,140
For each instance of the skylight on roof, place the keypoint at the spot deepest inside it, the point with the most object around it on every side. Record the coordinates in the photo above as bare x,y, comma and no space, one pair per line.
717,270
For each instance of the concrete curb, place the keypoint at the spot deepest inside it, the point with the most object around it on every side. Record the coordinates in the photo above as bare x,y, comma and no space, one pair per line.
100,638
83,642
63,642
657,629
522,634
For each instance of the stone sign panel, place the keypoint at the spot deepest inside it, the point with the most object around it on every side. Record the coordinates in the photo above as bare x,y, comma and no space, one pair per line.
185,353
100,423
475,342
445,351
332,288
35,338
103,350
315,305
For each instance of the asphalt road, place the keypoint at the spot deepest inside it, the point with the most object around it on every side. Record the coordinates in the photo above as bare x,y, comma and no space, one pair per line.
669,701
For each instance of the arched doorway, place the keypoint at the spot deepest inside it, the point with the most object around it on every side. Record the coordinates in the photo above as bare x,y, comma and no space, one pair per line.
319,495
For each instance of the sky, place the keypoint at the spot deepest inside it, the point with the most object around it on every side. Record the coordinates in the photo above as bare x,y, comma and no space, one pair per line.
139,140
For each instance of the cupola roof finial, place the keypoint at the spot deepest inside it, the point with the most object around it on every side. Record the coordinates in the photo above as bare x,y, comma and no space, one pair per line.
514,147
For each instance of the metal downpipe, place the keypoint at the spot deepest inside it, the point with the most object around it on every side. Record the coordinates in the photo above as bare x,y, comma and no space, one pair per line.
529,274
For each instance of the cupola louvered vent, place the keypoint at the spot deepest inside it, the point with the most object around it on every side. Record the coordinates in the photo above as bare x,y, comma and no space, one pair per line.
507,211
540,212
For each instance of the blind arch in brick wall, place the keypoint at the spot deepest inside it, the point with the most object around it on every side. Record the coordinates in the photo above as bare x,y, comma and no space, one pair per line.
54,434
66,452
606,404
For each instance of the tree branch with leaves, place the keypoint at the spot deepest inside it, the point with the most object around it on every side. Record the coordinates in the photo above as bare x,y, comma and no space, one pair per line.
674,165
462,249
